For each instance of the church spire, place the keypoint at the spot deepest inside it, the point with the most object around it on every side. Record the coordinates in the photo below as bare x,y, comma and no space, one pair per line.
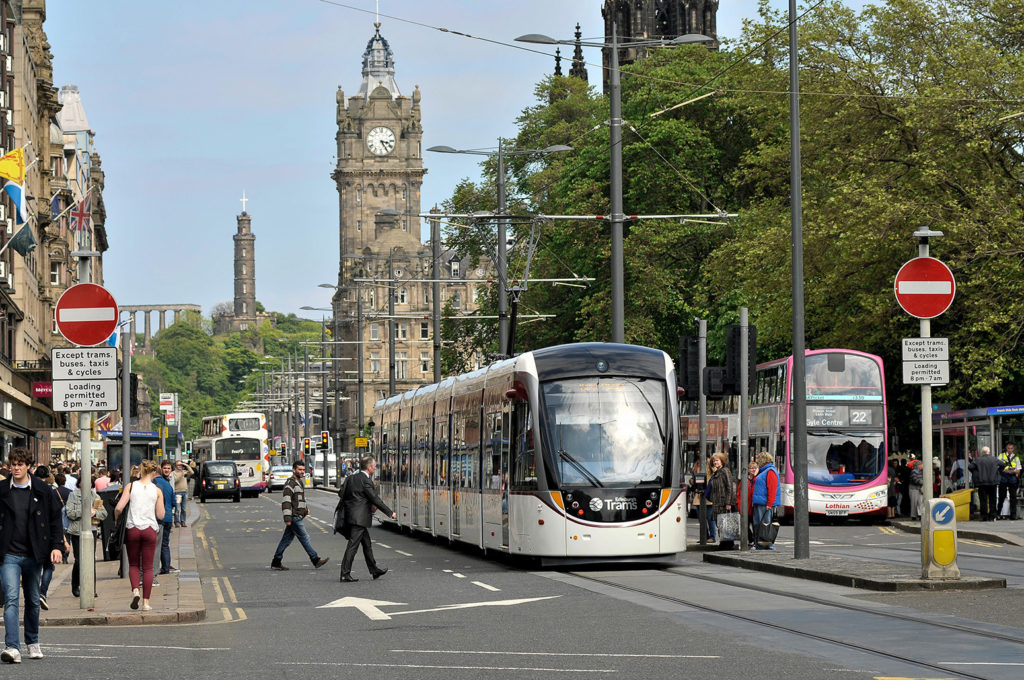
578,69
558,62
378,66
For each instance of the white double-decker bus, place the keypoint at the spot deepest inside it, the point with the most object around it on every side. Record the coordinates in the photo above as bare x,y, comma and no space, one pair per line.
239,437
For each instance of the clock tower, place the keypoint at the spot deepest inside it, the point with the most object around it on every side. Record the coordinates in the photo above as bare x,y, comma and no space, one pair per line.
378,175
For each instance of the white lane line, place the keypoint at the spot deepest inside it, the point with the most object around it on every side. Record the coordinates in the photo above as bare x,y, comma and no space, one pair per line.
447,571
596,654
486,587
458,575
384,545
982,663
458,668
191,649
402,552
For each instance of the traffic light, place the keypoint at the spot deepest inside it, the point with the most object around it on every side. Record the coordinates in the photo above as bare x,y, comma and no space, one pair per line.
714,382
688,371
133,395
284,449
305,446
733,370
188,448
325,439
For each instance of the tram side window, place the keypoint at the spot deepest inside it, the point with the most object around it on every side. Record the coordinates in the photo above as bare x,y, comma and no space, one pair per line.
472,465
441,452
524,463
385,468
492,453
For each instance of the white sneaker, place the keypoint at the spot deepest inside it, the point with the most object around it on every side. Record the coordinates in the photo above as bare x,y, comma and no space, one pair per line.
34,652
10,655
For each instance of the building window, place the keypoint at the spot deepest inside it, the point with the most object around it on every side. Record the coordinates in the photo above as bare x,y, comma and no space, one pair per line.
400,365
359,195
243,270
456,301
244,310
424,362
55,273
374,362
402,331
374,331
243,289
403,296
398,274
359,225
405,193
243,326
455,268
424,331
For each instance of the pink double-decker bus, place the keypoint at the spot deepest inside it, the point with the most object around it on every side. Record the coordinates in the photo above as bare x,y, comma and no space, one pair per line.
847,437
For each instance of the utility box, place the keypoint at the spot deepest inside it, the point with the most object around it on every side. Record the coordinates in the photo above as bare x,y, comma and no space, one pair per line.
938,540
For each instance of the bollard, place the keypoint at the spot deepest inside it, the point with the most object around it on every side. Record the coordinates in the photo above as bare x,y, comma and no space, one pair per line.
938,527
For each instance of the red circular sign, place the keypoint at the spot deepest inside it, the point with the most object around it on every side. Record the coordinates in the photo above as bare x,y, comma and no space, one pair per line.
924,287
86,314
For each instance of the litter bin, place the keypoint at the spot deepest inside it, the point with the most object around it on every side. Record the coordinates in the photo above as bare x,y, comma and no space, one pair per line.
962,502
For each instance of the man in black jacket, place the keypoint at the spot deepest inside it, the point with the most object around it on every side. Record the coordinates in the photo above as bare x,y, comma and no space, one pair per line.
31,535
360,499
985,470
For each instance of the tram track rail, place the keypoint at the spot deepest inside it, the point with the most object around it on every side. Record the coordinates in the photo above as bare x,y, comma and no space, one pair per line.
987,635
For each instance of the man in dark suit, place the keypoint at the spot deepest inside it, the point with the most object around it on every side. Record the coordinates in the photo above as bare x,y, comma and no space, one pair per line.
360,500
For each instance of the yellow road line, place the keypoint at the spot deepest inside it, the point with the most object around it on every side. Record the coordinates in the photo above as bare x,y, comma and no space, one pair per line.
217,590
987,544
230,591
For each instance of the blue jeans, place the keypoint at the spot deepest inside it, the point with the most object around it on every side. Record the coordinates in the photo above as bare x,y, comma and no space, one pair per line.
19,570
712,528
165,549
762,513
295,530
181,508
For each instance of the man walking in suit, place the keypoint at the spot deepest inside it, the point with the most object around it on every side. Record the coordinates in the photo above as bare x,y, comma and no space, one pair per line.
360,499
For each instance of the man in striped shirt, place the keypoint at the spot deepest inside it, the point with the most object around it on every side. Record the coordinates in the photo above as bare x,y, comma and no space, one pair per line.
294,508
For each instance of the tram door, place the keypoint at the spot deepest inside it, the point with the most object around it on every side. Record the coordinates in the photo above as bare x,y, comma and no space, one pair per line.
494,476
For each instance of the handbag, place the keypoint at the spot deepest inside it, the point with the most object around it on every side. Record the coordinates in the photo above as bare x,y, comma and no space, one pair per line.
339,511
767,532
115,541
728,526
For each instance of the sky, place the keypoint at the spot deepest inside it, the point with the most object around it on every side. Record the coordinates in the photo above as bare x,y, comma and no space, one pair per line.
194,102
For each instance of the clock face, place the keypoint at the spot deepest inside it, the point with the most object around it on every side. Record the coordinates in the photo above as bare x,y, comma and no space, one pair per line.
380,140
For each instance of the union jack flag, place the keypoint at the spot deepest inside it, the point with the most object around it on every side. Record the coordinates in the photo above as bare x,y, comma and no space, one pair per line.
80,216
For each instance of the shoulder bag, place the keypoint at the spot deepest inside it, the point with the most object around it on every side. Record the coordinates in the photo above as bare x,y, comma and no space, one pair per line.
115,541
339,510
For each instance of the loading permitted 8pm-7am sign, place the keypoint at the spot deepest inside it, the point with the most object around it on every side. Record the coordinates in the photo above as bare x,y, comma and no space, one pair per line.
84,395
84,379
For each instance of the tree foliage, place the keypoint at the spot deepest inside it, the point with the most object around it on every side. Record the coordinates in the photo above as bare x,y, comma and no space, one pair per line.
900,128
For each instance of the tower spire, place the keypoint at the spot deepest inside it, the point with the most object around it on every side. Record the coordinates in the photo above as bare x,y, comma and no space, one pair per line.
579,68
558,62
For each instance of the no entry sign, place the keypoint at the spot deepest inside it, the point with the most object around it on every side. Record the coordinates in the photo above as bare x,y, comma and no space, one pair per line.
86,314
924,287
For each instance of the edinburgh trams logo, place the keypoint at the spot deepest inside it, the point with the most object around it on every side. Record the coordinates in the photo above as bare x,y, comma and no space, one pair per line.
596,504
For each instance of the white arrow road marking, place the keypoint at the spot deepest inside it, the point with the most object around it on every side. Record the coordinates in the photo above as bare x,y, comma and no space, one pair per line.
87,314
925,287
366,606
372,607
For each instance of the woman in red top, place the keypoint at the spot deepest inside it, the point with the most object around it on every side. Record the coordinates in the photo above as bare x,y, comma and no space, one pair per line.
751,473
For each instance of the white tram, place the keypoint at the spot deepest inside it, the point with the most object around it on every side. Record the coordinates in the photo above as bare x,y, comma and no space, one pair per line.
568,453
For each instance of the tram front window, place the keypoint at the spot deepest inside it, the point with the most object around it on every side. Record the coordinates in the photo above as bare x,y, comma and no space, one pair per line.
843,459
606,431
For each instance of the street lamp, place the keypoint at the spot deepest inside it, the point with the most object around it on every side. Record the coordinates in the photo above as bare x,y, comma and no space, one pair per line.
615,125
502,253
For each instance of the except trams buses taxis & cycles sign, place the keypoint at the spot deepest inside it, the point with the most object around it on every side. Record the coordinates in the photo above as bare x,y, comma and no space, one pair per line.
85,379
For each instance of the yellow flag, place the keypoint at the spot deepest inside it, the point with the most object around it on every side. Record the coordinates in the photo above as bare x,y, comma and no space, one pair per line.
12,166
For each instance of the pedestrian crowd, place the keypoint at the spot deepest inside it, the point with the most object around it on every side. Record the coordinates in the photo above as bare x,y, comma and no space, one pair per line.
43,518
723,498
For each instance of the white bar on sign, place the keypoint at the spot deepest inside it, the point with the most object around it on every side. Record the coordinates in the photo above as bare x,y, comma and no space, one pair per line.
925,287
87,314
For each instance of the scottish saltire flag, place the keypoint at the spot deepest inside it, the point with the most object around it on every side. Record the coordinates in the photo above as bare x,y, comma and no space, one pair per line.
12,166
112,340
80,216
17,194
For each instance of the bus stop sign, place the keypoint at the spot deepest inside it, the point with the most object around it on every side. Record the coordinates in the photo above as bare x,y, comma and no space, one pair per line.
924,287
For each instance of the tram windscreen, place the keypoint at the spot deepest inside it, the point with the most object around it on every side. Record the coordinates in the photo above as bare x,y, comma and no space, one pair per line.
238,448
606,431
844,459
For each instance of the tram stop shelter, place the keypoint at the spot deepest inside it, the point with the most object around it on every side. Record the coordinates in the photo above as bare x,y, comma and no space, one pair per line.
957,436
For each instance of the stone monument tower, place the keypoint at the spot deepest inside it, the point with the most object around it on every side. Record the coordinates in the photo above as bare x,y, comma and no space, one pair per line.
244,315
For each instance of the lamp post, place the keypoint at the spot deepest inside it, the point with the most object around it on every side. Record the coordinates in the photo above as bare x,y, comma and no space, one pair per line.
616,218
502,250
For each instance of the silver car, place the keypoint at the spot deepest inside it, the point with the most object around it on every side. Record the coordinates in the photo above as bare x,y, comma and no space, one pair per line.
279,474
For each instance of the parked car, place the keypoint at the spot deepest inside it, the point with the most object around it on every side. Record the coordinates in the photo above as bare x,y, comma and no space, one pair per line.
219,479
279,474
